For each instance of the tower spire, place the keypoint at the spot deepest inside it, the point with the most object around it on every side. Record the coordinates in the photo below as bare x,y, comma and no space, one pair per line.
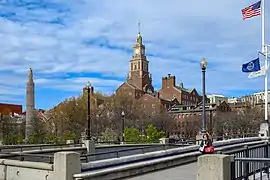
30,74
139,27
139,36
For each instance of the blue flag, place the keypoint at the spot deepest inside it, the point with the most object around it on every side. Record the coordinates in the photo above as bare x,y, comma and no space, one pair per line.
251,66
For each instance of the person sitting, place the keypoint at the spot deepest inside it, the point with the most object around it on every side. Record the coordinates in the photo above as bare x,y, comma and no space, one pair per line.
206,146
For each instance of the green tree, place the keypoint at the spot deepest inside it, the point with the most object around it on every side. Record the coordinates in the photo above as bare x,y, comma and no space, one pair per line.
132,135
108,135
9,130
38,131
69,135
51,139
153,135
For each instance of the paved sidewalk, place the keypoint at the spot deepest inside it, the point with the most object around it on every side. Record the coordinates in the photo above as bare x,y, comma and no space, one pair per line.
184,172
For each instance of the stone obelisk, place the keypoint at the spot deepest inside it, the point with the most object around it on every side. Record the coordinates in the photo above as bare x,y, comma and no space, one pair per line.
30,103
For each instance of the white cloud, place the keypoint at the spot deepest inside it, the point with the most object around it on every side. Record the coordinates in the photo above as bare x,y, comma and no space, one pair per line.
98,36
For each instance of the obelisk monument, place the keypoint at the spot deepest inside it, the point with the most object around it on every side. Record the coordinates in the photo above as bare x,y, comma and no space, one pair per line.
30,104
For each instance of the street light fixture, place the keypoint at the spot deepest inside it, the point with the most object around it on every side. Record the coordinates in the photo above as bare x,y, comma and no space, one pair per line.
203,67
123,126
88,130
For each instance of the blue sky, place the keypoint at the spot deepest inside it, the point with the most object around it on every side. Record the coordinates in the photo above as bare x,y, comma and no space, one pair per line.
68,42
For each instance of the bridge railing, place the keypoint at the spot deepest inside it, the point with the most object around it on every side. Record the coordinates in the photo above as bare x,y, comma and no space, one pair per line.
187,141
127,151
249,161
253,167
216,138
21,148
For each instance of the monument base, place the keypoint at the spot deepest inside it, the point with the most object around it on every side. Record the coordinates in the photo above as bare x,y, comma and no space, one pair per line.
264,130
199,138
164,140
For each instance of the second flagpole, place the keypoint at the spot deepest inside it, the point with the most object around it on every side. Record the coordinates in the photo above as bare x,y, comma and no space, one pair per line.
266,62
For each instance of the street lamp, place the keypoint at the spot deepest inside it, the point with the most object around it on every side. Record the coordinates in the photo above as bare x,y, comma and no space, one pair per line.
88,130
203,67
123,126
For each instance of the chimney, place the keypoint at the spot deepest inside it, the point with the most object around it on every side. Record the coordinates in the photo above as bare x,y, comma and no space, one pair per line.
164,82
157,94
172,81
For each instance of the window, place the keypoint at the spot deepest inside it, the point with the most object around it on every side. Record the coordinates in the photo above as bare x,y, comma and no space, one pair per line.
153,106
130,93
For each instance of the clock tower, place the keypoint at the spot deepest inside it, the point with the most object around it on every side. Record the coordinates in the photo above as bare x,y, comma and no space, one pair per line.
138,75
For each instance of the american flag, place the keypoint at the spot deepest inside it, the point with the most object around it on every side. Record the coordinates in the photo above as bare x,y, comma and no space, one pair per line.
252,10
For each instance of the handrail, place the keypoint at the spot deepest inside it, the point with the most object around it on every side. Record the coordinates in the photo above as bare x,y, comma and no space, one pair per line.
40,146
126,150
252,159
182,141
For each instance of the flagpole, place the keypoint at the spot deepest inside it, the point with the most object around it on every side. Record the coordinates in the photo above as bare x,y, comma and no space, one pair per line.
266,63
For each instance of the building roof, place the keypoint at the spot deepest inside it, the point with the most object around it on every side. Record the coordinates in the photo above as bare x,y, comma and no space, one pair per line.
215,95
184,89
6,108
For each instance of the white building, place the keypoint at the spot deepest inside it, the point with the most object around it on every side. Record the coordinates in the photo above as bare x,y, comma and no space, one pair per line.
255,98
234,100
216,98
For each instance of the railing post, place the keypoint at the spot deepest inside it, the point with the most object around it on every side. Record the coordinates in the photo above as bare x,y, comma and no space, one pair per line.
66,164
214,166
266,155
232,168
246,164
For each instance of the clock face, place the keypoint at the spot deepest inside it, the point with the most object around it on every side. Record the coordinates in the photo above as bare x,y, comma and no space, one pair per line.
137,51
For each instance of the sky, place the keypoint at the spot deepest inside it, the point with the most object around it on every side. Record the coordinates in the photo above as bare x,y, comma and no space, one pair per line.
68,43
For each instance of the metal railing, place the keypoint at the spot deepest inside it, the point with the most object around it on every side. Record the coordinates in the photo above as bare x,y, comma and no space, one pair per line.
186,141
249,161
218,138
127,152
21,148
253,167
30,157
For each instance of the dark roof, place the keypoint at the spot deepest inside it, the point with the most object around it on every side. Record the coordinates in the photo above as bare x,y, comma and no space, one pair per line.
184,89
191,110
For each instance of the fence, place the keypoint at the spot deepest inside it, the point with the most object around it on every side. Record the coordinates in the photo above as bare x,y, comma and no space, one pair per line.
10,148
250,161
127,152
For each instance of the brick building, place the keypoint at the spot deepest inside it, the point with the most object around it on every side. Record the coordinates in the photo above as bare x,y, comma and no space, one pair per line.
184,114
95,102
170,90
7,109
138,84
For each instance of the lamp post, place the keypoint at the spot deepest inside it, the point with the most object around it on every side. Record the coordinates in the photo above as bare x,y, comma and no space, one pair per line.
88,130
203,67
123,126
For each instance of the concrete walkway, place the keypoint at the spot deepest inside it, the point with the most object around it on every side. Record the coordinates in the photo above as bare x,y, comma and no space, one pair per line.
184,172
